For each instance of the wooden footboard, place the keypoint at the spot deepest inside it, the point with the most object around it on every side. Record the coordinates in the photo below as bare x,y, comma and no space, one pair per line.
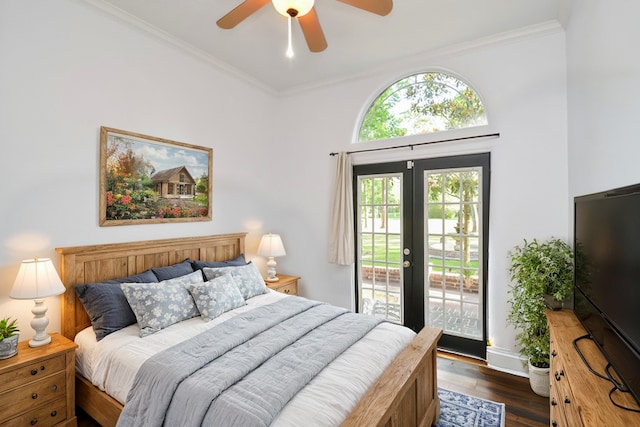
405,394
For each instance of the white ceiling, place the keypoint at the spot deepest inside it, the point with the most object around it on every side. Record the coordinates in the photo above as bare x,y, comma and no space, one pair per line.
358,40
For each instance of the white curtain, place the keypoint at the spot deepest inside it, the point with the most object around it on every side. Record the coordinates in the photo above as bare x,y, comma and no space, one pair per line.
341,245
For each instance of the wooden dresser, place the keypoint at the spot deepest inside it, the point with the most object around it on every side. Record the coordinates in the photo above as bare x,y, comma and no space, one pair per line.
37,386
577,396
286,284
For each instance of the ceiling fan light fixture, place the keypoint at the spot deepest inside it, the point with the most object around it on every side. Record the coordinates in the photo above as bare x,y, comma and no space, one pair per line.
293,8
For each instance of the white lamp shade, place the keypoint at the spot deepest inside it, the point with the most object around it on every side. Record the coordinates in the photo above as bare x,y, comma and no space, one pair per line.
271,246
37,278
301,6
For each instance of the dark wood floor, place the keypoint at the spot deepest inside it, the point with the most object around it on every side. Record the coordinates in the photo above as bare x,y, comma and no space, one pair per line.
523,407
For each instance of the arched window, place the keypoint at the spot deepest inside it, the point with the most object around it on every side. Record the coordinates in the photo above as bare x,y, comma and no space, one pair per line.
422,103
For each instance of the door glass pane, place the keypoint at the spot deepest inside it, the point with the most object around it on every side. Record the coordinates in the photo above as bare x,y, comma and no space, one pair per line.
452,241
379,233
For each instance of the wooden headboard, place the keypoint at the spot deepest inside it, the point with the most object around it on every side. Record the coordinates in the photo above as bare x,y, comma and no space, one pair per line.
96,263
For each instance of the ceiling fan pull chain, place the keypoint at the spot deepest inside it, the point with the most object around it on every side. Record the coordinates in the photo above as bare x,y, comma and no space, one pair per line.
289,44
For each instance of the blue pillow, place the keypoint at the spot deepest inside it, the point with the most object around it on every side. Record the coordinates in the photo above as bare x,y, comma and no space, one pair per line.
172,271
107,305
235,262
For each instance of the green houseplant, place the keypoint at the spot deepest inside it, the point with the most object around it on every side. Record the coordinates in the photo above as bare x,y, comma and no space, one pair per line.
538,269
8,338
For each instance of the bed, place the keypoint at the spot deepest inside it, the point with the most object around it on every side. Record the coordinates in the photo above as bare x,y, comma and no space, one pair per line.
405,394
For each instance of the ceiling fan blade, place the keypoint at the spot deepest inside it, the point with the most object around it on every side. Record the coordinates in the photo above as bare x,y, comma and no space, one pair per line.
312,31
240,13
379,7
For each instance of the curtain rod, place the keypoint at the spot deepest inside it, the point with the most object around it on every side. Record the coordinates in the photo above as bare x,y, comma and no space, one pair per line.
488,135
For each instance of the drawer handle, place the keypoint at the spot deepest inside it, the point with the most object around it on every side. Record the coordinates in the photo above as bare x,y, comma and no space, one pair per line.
554,353
553,401
567,400
35,371
34,421
34,396
554,423
54,413
557,375
54,387
286,291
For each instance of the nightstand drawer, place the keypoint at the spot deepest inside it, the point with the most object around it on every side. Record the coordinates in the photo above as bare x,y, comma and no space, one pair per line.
31,372
48,415
290,288
286,285
33,395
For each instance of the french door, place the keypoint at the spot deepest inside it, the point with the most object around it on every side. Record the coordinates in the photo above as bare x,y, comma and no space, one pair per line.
421,249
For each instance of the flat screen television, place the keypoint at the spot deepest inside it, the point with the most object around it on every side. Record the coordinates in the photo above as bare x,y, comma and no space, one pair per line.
607,278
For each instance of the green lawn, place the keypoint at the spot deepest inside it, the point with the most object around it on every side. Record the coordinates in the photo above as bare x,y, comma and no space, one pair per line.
392,254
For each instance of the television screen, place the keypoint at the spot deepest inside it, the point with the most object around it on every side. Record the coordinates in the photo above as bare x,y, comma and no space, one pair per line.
607,276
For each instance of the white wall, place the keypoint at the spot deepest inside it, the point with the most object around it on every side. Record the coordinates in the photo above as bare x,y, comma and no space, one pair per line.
522,83
68,68
603,92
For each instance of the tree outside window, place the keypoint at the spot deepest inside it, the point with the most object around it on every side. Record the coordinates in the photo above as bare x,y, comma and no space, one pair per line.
422,103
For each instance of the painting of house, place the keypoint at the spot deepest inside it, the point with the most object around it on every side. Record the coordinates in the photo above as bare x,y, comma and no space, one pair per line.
175,183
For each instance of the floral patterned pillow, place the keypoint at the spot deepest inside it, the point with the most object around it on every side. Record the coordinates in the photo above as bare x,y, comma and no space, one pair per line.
158,305
216,296
247,277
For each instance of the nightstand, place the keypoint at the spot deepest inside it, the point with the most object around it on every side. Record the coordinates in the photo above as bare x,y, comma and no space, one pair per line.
40,384
287,284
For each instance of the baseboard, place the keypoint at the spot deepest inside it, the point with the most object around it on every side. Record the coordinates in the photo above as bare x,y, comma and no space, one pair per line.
506,361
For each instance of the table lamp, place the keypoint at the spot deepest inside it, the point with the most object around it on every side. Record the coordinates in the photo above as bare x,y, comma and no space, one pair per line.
37,279
271,246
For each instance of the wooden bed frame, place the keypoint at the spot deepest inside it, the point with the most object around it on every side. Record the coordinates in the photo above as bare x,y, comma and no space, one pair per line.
405,394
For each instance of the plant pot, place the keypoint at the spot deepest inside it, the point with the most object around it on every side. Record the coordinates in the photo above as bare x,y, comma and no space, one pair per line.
9,347
539,380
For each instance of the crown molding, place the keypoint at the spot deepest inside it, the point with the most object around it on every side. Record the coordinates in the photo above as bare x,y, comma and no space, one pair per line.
415,62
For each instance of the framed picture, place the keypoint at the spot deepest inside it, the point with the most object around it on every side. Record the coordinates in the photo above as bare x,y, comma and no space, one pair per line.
148,180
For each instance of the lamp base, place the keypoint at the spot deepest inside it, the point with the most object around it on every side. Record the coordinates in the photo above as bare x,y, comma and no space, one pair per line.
40,343
39,324
271,270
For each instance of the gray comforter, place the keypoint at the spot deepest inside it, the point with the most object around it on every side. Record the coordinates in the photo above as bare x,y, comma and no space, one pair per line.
245,370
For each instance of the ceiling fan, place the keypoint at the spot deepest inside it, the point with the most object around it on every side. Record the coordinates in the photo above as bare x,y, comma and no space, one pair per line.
304,11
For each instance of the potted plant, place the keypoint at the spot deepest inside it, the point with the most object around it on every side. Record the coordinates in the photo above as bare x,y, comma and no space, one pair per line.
539,272
8,338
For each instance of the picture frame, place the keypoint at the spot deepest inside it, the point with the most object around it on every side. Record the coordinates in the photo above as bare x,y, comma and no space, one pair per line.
150,180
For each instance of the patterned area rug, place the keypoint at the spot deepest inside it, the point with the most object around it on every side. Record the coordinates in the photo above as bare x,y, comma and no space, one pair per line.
461,410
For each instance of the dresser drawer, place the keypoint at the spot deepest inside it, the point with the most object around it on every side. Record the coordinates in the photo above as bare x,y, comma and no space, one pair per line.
31,372
566,400
45,416
557,416
33,395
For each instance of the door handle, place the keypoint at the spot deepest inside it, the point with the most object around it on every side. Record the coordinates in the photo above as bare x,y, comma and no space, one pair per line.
406,264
